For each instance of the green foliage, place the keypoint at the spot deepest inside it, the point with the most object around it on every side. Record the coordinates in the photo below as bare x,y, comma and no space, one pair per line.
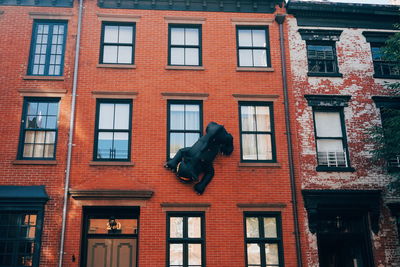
387,137
391,52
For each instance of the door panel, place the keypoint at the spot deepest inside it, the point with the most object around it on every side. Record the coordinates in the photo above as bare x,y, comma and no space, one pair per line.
124,253
99,252
111,252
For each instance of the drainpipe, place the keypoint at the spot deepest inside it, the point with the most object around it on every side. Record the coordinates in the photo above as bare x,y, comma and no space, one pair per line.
280,18
71,133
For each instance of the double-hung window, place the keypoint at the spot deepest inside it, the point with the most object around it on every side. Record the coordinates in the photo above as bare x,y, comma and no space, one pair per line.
383,68
253,46
47,48
263,239
117,43
113,130
184,45
322,58
185,239
321,51
184,124
39,128
256,132
20,237
330,137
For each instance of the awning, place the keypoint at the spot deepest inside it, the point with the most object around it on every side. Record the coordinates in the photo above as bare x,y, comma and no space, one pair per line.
29,194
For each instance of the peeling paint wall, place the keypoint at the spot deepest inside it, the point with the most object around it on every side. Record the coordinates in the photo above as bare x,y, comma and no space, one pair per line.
355,63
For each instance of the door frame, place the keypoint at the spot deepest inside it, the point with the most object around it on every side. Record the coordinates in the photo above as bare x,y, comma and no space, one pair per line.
104,212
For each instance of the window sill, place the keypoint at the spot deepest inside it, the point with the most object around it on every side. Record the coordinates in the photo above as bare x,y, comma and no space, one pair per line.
386,77
34,162
314,74
184,67
112,163
117,66
260,164
256,69
334,169
46,78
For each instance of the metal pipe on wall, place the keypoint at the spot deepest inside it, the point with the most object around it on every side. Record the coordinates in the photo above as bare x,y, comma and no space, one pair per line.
280,19
70,134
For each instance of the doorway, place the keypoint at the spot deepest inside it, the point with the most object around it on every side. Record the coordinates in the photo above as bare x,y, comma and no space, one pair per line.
343,240
110,237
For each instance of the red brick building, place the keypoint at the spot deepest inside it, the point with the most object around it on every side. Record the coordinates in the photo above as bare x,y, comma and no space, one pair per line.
149,78
338,89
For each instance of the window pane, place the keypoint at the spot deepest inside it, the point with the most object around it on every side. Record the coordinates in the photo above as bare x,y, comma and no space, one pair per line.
263,118
244,37
259,38
176,142
192,56
111,34
106,118
110,54
32,108
264,147
326,145
177,56
42,108
260,58
39,137
249,147
50,137
28,151
125,54
270,228
271,253
53,109
253,254
177,36
122,116
48,151
176,254
194,227
245,58
328,124
104,145
195,254
247,116
177,117
176,227
376,53
192,36
125,34
29,137
31,122
192,117
252,227
191,138
121,145
38,151
51,122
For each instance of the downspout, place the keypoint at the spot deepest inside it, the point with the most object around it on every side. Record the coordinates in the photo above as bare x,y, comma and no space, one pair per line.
70,134
280,18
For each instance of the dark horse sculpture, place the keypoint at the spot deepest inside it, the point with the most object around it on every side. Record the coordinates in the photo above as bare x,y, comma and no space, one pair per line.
190,162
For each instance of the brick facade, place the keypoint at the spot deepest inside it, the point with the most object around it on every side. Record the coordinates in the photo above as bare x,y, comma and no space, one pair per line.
358,84
236,188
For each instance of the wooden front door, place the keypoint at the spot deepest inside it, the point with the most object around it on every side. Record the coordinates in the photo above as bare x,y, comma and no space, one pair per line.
111,252
110,237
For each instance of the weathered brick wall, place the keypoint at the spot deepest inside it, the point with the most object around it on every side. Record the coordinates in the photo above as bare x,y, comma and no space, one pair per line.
16,32
355,63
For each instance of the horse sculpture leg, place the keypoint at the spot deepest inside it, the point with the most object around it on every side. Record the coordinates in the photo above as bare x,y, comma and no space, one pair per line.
208,175
172,164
